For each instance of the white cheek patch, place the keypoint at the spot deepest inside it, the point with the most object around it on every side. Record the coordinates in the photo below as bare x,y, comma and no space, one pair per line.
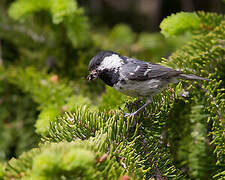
111,62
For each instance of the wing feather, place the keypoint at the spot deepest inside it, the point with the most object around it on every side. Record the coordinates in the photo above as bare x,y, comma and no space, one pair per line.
141,71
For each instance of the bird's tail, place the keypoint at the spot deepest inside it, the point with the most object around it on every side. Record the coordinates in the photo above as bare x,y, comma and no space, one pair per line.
193,77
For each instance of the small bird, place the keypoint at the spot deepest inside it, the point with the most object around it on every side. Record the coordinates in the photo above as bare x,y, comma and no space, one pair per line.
134,77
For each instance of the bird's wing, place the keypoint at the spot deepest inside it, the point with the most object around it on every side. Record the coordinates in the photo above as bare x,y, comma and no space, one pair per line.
162,72
134,69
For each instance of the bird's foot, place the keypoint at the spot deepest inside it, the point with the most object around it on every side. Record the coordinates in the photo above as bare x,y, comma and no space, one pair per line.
129,115
134,104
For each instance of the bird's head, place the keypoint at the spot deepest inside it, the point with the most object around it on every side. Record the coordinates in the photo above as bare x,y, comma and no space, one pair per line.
104,61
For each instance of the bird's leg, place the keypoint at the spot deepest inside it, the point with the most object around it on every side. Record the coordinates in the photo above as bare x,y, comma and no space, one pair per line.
135,103
148,101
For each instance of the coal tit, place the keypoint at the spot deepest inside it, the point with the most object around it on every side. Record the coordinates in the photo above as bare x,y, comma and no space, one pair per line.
132,76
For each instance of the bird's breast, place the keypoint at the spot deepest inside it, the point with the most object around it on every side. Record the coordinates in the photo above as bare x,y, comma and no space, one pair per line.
139,88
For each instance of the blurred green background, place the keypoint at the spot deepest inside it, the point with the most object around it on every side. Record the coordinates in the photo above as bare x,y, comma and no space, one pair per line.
60,40
45,48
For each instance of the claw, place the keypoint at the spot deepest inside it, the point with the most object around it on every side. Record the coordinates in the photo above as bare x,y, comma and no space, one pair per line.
148,101
129,115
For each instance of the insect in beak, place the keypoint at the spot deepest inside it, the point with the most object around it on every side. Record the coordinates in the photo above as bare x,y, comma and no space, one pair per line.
92,76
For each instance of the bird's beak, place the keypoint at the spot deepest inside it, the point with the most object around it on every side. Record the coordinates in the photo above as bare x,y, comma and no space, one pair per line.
93,75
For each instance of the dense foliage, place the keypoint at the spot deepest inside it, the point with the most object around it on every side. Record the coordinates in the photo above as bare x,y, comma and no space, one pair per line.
56,125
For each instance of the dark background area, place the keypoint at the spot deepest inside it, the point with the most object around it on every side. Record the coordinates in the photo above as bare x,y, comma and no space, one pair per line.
143,15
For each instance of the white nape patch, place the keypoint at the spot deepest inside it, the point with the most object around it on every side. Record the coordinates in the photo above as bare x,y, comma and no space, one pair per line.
131,74
111,62
138,67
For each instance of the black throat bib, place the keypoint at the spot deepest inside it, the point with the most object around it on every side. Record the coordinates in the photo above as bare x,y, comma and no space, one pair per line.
110,77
